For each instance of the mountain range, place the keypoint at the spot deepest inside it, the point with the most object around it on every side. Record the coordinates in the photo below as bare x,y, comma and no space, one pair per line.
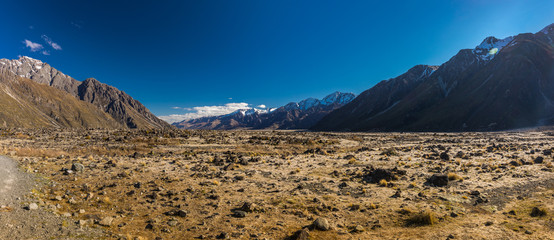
34,94
500,84
295,115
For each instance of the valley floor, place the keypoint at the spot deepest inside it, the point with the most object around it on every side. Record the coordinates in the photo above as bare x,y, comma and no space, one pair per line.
274,185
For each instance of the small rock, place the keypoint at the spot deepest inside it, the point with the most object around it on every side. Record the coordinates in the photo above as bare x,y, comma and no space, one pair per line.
248,207
321,224
77,167
304,234
32,206
539,160
358,228
444,156
172,222
239,214
537,212
489,223
106,222
438,180
223,235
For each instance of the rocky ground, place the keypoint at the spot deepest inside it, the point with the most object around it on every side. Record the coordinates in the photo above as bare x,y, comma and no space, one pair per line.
20,214
291,185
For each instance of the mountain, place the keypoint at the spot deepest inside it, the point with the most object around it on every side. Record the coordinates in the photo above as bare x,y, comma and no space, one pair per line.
28,104
501,84
301,115
123,108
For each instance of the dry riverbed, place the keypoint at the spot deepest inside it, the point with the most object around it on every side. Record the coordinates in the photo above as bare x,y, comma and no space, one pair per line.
293,185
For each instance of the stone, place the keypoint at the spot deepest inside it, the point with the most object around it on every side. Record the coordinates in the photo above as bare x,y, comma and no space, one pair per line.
248,207
222,235
539,160
304,234
444,156
321,224
77,167
172,222
438,180
358,228
106,221
32,206
239,214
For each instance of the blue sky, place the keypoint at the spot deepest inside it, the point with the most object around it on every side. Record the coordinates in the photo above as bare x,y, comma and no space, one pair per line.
187,54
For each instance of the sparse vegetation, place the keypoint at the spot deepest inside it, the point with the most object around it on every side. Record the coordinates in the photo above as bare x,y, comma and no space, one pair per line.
184,184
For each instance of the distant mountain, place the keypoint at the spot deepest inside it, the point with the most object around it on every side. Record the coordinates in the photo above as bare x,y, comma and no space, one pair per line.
501,84
123,108
301,115
28,104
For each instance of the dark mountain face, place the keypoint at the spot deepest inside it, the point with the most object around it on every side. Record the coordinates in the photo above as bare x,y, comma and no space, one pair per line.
376,100
122,107
301,115
501,84
28,104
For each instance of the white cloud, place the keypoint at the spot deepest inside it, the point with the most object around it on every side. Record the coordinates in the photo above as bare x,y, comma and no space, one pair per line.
77,25
33,46
51,43
261,106
204,111
45,52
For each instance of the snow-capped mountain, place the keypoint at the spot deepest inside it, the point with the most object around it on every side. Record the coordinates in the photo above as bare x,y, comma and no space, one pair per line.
294,115
122,107
490,47
501,84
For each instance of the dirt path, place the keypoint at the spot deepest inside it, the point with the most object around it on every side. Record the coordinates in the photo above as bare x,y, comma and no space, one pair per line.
17,221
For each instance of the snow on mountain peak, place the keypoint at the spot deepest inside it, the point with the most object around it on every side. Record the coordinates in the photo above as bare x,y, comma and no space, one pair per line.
338,97
490,47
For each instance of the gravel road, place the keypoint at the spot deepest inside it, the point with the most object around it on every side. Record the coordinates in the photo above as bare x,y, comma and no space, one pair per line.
17,221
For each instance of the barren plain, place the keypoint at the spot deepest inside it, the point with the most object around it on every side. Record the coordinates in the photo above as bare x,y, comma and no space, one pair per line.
290,185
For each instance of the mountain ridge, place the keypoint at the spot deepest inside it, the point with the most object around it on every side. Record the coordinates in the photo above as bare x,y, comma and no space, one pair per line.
294,115
500,84
122,107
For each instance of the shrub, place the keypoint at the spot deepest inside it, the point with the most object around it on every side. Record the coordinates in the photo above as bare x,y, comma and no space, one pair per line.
422,219
453,177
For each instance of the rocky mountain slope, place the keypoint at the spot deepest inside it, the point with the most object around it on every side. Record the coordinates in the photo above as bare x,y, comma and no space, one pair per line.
501,84
300,115
122,107
28,104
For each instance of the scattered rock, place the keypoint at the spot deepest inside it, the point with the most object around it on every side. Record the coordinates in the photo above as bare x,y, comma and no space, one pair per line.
438,180
106,221
303,234
32,206
444,156
537,212
239,214
77,167
321,224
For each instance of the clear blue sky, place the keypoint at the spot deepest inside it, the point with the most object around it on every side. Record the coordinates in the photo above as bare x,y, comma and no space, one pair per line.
201,53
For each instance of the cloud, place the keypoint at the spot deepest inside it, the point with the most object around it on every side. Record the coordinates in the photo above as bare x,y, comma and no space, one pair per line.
204,111
77,24
261,106
45,52
51,43
33,46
